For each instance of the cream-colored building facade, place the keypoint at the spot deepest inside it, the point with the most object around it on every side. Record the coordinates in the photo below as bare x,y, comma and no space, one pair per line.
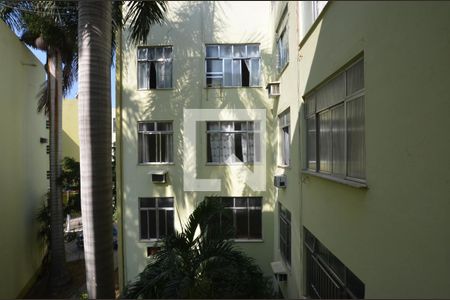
23,165
355,128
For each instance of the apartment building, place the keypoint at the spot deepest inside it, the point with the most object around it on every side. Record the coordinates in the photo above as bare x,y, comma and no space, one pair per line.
23,165
356,173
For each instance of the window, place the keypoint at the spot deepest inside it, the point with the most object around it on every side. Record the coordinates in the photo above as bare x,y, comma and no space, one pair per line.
155,141
326,276
335,128
155,218
244,214
154,67
317,7
284,217
285,139
232,65
233,142
282,49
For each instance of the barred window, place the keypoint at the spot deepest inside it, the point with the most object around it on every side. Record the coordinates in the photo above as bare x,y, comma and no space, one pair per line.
232,65
285,137
155,218
335,125
284,218
233,142
155,142
154,67
282,49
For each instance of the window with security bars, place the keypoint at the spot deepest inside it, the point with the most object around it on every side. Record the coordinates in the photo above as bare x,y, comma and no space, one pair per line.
233,142
282,49
156,218
154,67
285,137
335,130
326,276
233,65
155,142
284,219
244,214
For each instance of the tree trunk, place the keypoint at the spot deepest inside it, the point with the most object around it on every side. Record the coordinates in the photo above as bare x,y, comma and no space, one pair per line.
58,271
94,36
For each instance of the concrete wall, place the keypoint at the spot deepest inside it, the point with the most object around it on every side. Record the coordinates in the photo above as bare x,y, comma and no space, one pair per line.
188,27
23,164
70,138
393,235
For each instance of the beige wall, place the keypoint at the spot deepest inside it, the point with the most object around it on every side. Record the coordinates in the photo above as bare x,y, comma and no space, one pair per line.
23,164
393,235
188,27
70,138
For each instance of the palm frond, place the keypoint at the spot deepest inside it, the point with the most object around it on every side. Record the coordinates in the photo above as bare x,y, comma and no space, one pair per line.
142,15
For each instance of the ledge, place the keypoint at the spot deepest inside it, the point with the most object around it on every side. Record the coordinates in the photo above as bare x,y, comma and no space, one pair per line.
248,241
359,185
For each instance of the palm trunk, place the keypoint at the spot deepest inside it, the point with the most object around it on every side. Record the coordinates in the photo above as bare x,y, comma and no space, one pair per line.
94,32
58,272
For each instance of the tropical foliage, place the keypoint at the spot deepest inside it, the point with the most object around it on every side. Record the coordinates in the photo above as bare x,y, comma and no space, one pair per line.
201,262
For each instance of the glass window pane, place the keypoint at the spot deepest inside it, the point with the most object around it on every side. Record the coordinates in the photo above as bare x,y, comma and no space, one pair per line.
165,202
168,52
356,139
147,202
170,222
255,224
212,125
310,103
225,51
332,93
254,75
239,51
213,147
146,126
152,224
227,150
152,148
286,145
241,223
214,81
164,126
162,223
144,225
227,202
159,53
227,72
212,51
226,126
214,65
236,76
338,139
254,201
143,73
355,78
325,141
142,53
252,50
151,53
240,202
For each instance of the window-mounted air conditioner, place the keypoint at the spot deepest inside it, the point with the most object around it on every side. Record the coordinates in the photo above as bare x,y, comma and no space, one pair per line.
159,176
280,181
279,270
273,89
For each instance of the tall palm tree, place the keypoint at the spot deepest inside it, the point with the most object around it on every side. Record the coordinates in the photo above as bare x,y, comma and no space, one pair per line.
51,28
206,265
95,25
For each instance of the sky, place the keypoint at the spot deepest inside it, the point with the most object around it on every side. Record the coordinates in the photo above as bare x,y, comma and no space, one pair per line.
74,90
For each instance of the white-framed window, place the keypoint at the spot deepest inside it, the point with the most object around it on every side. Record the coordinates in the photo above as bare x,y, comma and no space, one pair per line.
233,142
154,67
156,219
284,220
155,142
335,125
317,7
282,49
285,137
232,65
244,214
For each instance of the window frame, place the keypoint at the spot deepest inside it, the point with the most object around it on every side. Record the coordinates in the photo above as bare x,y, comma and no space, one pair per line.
310,99
156,209
285,215
170,133
149,61
256,130
221,74
284,32
248,208
284,116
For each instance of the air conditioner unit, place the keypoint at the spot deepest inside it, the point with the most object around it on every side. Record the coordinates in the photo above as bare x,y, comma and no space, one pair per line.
280,181
273,89
279,270
158,176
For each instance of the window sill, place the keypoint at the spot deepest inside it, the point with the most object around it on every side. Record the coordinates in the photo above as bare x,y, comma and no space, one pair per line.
156,164
359,185
284,166
231,87
248,241
232,164
161,89
152,241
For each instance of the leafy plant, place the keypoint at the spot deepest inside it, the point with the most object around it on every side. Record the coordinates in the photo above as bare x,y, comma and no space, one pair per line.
201,262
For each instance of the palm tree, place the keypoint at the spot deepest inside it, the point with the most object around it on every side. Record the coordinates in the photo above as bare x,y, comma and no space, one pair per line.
203,265
50,28
95,25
